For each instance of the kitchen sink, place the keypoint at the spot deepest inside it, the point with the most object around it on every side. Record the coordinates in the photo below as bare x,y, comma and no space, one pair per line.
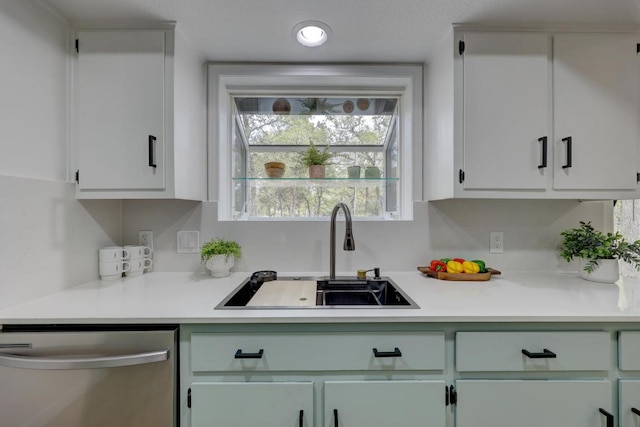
342,292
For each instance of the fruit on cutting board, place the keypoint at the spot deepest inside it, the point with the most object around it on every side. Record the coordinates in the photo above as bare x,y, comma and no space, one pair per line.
481,265
470,267
438,265
454,266
458,265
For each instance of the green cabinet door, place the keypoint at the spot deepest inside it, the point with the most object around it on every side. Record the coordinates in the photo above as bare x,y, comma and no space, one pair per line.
533,403
277,404
384,403
629,394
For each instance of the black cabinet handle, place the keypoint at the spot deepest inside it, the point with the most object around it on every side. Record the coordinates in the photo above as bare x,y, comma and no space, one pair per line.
152,152
335,418
635,411
546,354
568,140
241,355
301,418
395,353
609,417
543,140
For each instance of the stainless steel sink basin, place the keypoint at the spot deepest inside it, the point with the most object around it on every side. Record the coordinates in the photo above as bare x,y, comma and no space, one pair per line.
342,292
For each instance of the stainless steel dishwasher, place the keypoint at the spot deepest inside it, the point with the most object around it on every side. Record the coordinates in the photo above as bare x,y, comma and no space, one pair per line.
103,376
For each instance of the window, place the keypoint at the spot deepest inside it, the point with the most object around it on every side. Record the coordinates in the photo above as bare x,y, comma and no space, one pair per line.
360,115
626,220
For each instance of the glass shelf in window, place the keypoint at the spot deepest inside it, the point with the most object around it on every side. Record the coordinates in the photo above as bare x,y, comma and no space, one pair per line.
319,182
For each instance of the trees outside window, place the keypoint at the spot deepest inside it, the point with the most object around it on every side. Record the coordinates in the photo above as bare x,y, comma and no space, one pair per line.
357,132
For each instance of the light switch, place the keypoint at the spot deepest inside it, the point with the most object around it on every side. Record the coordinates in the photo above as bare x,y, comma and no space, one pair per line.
188,242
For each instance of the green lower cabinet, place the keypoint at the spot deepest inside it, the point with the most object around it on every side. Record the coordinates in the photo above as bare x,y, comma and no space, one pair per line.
535,403
629,396
384,403
246,404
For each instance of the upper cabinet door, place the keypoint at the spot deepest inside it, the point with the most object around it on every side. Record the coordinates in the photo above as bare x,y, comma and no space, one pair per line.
506,87
120,115
595,94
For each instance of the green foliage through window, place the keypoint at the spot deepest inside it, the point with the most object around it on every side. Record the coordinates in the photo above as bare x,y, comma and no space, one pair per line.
357,131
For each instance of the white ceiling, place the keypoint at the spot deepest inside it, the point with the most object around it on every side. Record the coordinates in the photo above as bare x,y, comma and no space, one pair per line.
363,30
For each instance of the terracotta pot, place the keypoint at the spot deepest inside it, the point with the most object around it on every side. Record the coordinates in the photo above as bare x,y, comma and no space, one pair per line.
316,171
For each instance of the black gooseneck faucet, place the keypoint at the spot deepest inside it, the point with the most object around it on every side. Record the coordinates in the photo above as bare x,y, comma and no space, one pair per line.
349,242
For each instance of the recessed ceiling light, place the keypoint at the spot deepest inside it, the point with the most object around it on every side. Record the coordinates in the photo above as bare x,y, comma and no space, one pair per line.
311,33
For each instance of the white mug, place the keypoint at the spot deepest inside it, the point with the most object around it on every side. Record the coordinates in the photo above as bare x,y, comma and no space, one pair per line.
113,269
137,266
137,251
112,253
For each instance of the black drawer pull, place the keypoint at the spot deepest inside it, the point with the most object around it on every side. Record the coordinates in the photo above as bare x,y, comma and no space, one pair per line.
569,141
543,164
635,411
608,415
152,152
395,353
335,418
301,418
546,354
241,355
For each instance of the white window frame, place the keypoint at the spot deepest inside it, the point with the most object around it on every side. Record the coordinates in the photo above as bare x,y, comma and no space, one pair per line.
227,80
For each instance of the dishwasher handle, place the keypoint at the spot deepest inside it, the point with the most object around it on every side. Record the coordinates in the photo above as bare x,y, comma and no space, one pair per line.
36,362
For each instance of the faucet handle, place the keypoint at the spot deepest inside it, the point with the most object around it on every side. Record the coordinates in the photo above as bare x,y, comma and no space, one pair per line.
376,273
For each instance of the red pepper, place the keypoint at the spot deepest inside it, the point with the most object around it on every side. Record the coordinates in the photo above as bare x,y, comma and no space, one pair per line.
437,265
460,260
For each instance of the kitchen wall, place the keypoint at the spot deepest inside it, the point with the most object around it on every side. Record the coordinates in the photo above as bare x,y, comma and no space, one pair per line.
48,239
445,228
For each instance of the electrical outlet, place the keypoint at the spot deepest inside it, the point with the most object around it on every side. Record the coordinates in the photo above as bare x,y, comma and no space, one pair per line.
145,238
188,242
496,242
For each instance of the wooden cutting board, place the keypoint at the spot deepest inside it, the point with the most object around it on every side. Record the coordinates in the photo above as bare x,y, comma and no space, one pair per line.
478,277
285,293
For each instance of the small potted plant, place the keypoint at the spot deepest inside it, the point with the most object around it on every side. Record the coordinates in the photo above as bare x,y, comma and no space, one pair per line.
316,160
353,172
219,256
599,253
372,172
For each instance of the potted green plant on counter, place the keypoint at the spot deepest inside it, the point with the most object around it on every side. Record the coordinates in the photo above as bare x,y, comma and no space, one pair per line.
315,160
219,256
599,253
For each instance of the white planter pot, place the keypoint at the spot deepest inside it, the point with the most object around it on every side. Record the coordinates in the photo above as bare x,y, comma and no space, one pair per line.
607,271
219,265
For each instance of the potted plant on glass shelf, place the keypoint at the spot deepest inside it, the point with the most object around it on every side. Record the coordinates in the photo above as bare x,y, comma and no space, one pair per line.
599,253
219,256
316,160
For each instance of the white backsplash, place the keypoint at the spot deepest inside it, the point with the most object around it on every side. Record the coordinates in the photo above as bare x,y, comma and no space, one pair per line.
49,239
446,228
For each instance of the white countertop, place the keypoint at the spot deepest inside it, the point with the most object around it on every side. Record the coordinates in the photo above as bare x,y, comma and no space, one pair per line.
191,298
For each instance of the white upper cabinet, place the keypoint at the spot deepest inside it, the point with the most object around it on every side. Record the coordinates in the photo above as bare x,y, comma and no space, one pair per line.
505,121
121,110
532,114
139,115
595,93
